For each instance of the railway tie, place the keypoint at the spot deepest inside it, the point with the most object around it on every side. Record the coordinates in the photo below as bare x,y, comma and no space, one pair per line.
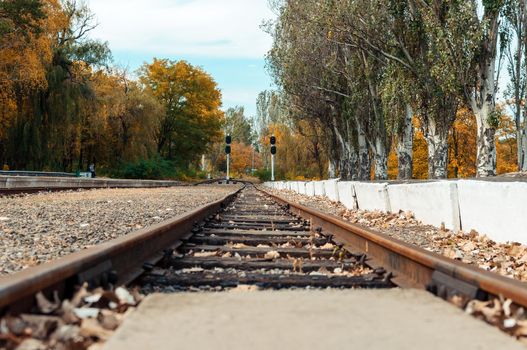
256,241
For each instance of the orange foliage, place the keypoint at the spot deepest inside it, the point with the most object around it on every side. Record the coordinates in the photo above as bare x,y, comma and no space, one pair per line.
462,149
392,164
506,146
420,160
296,157
462,145
23,60
241,158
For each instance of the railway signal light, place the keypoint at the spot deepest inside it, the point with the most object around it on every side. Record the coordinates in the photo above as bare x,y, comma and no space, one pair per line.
228,140
273,152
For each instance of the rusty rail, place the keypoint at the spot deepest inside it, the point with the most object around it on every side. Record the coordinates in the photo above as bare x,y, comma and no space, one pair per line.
117,261
412,266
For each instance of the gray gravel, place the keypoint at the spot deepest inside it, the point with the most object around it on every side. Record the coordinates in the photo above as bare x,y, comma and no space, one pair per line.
41,227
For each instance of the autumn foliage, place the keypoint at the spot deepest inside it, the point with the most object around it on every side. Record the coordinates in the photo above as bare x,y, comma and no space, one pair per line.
63,105
462,148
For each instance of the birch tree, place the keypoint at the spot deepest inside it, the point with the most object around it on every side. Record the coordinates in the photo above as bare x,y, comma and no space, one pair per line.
515,52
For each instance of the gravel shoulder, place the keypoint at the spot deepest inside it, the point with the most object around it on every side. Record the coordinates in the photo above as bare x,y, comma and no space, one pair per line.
41,227
508,259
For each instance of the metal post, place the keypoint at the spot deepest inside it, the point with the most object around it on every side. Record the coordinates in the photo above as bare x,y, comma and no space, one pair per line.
228,164
252,164
272,167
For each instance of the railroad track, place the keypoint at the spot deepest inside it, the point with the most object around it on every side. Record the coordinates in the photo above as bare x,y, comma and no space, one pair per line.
251,237
255,241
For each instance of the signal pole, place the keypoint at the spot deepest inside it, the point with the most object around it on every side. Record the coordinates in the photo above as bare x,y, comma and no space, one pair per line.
252,163
228,140
273,152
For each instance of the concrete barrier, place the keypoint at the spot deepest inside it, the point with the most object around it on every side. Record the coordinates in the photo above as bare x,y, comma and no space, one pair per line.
372,196
319,188
14,182
347,194
330,189
296,186
432,203
310,188
493,208
302,187
496,209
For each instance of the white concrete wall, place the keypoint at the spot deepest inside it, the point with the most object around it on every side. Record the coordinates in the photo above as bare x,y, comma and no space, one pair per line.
310,188
331,189
497,209
372,196
294,186
302,187
60,182
431,202
347,194
319,188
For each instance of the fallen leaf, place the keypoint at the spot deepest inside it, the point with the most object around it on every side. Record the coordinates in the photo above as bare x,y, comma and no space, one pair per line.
273,254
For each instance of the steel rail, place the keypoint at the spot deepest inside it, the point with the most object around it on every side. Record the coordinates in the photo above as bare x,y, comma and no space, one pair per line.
410,265
118,261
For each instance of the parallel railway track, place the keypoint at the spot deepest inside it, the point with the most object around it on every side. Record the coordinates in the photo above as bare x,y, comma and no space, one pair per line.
251,237
255,241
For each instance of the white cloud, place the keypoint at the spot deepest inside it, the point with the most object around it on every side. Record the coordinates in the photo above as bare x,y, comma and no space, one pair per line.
213,28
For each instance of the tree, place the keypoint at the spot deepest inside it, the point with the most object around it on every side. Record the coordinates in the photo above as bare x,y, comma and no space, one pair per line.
239,126
515,16
481,92
192,119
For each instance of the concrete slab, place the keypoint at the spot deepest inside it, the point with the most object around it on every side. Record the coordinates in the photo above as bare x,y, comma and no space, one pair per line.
350,319
496,209
319,188
347,194
331,189
310,188
294,186
372,196
431,202
60,182
302,187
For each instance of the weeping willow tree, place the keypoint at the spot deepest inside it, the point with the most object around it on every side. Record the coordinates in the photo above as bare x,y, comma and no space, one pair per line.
46,131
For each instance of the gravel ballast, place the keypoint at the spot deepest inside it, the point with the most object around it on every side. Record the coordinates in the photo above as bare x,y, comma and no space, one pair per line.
508,259
41,227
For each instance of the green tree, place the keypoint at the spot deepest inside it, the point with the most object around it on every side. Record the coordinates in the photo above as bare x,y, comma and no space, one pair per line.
192,117
239,126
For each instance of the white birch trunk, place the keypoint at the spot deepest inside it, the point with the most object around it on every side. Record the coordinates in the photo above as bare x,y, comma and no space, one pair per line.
364,162
348,155
381,160
521,137
437,141
405,147
364,166
332,166
486,145
522,149
483,99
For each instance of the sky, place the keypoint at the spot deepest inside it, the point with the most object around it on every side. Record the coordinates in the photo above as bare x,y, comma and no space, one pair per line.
222,36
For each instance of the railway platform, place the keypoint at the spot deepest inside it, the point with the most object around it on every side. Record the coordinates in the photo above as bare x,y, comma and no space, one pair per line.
305,319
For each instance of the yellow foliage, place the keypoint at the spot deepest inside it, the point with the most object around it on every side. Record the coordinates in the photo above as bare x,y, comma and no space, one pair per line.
462,145
299,151
241,158
392,164
420,158
23,60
